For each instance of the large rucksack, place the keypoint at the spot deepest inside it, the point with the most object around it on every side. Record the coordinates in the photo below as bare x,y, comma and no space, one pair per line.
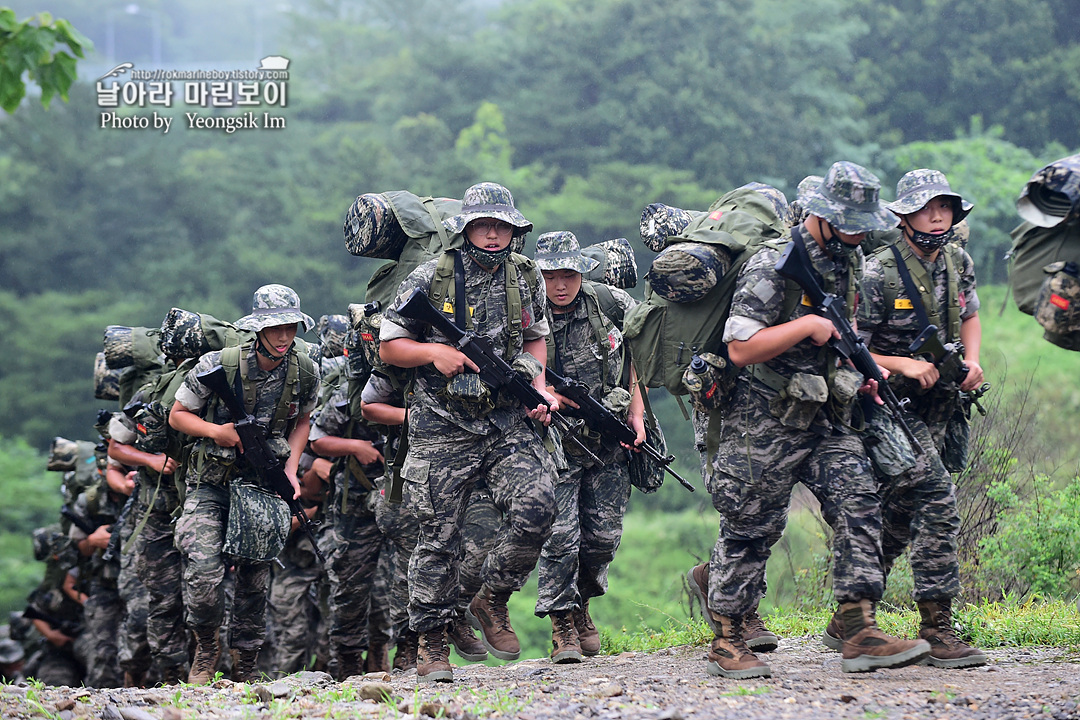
665,335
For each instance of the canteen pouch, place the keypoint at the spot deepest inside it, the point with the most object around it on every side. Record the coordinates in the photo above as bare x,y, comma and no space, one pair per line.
798,403
843,390
708,381
954,453
259,523
1058,306
468,395
890,451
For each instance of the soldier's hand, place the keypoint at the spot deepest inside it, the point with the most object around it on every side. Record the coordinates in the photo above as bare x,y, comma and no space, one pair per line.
99,539
563,400
226,436
925,373
56,637
366,453
818,330
974,377
450,361
165,464
291,475
322,468
637,424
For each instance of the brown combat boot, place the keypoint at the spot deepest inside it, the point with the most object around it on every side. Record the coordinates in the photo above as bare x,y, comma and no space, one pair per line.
697,579
866,648
405,657
756,636
461,636
487,613
243,665
207,654
729,657
946,649
565,646
349,663
173,674
378,658
433,657
134,679
833,637
587,634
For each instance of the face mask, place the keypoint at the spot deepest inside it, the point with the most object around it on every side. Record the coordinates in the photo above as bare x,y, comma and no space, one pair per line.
928,242
490,259
837,248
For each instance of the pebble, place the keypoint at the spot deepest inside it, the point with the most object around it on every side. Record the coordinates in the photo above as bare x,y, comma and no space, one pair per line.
132,713
172,713
377,691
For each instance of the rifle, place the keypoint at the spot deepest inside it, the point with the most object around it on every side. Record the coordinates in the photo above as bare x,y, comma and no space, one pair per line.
795,265
948,358
257,451
71,628
603,421
972,397
84,524
495,372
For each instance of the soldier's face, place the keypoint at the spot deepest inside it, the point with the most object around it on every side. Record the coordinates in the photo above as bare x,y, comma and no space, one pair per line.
277,339
934,218
489,234
562,286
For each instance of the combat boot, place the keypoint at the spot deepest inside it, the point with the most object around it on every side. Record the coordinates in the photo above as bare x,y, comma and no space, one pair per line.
134,679
349,663
565,646
207,654
172,674
587,634
728,656
946,649
756,636
433,657
461,636
378,658
405,657
488,613
833,637
866,648
243,665
697,579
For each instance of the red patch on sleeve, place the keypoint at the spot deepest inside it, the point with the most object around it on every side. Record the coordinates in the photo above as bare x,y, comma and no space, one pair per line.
1059,301
526,318
368,337
715,214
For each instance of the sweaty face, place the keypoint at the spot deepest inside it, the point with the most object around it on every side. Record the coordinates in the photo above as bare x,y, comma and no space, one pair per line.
562,286
934,218
277,339
489,234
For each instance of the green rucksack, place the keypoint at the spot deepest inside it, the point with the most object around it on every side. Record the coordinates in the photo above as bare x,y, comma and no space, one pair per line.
663,335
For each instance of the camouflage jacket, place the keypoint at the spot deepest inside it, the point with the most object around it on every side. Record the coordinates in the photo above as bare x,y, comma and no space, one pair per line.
578,353
334,421
486,296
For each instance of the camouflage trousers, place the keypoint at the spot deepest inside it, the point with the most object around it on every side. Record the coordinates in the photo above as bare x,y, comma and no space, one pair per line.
293,607
480,527
380,607
134,650
441,471
200,536
918,509
399,526
60,665
585,535
756,466
103,615
352,553
160,567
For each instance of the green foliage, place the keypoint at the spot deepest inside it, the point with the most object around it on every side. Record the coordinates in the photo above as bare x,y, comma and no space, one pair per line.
28,47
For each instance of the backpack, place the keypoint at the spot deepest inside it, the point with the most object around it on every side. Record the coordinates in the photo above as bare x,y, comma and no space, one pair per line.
605,313
1044,277
664,335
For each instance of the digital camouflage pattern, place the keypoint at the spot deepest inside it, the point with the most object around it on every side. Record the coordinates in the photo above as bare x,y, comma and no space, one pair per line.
181,334
64,454
849,198
127,346
918,187
273,305
488,200
778,199
258,523
480,526
1058,306
1052,194
561,251
797,209
616,263
332,330
372,230
686,271
293,603
106,381
159,566
134,648
659,222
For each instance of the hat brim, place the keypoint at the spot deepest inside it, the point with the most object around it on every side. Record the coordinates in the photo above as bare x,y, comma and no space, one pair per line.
257,322
457,223
576,262
916,200
848,219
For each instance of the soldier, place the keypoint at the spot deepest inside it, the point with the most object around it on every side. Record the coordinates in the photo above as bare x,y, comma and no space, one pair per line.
925,280
789,421
12,660
459,434
585,322
279,386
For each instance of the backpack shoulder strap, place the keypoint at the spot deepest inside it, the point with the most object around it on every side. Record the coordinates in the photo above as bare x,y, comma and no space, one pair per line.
954,260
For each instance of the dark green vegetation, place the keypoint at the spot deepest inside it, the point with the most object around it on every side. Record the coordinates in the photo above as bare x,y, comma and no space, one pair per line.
587,111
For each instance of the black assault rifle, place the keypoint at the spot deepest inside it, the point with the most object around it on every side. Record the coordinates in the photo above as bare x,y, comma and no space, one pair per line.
795,265
257,451
948,358
603,421
495,372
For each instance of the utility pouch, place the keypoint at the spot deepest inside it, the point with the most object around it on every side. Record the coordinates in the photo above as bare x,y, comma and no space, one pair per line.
890,451
1058,306
708,381
799,401
259,523
954,455
843,390
468,395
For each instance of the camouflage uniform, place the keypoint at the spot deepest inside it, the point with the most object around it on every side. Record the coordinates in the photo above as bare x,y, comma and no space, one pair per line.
591,499
919,505
293,604
200,531
449,452
354,542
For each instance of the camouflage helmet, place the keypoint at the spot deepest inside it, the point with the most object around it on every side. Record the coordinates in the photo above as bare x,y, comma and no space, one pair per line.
11,652
274,305
778,199
561,251
46,541
797,210
919,187
1052,193
63,455
488,200
332,330
849,199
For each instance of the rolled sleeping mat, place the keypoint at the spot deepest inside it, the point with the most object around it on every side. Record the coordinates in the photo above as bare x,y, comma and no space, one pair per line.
686,272
616,266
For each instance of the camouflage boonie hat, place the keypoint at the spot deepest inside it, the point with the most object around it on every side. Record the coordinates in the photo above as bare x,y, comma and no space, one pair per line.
332,330
1052,193
561,251
274,305
46,541
919,187
488,200
687,271
11,652
797,210
849,199
778,199
659,222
